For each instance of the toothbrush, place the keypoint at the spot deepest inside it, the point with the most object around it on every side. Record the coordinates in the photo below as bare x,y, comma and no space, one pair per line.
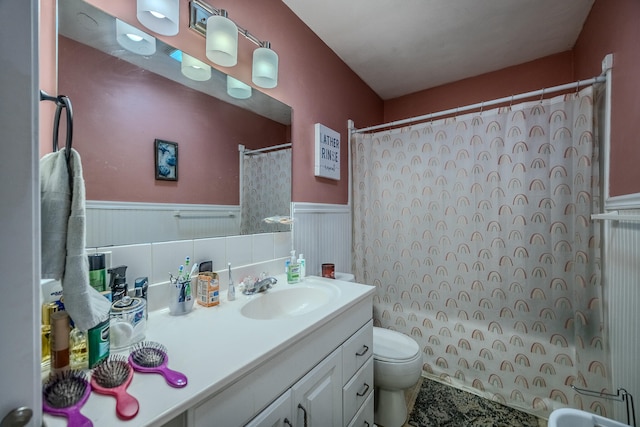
193,270
187,260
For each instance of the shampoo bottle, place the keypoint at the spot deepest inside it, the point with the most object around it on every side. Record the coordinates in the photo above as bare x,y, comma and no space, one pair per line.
293,269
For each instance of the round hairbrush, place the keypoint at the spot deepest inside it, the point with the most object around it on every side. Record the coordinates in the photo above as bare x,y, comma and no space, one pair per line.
64,394
151,357
112,377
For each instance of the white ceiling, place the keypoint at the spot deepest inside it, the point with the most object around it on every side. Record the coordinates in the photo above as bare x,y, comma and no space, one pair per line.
403,46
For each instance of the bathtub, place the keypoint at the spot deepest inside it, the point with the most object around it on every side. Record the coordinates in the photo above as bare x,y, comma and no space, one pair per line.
569,417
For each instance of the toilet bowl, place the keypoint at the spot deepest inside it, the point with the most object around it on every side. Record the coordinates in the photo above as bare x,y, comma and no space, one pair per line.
397,365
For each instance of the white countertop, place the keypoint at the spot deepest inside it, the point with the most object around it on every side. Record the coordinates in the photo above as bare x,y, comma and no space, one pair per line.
214,347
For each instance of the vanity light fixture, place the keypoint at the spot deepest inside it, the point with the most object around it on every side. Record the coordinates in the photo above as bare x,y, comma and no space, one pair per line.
160,16
134,40
265,67
237,89
265,60
222,40
194,68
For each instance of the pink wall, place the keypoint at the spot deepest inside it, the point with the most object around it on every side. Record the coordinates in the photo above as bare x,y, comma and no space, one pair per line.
611,27
47,55
312,80
545,72
614,27
320,88
118,153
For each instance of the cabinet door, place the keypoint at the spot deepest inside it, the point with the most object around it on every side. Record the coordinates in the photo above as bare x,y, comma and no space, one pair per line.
278,414
318,395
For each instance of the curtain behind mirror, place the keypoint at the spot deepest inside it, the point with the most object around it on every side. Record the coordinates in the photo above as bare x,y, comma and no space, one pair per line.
266,191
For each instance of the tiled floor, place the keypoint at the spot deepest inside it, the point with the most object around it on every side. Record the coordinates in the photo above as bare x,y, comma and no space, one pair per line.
460,404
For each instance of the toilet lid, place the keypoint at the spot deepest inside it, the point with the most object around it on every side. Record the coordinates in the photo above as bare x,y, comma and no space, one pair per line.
392,346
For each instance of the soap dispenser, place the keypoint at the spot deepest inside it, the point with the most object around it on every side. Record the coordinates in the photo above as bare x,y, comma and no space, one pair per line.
118,282
293,269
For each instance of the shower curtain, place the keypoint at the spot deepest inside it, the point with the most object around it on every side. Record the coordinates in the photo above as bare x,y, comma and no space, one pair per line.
266,191
476,232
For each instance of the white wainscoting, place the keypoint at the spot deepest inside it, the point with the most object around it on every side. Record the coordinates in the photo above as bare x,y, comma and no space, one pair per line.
126,223
622,302
322,232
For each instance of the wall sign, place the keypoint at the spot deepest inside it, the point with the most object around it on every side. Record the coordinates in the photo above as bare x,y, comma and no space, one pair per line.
327,163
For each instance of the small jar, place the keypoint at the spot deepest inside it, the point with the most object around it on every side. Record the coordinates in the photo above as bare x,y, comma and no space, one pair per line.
329,271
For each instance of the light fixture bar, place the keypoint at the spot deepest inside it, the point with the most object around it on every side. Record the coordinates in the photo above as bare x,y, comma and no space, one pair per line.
200,11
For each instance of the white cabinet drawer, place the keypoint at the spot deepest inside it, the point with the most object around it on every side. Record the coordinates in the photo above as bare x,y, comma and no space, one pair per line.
357,390
357,350
364,417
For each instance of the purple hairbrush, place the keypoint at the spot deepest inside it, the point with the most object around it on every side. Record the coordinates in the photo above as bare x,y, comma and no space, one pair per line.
151,357
64,394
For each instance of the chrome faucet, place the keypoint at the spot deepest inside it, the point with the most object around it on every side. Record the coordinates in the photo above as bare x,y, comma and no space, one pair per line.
259,286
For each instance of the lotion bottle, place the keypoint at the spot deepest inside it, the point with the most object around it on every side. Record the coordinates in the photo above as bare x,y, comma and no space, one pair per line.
303,266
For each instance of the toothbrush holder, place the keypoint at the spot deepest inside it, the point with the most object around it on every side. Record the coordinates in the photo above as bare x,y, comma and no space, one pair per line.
181,297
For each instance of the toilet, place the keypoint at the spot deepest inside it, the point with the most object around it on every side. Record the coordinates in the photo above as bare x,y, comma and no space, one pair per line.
397,366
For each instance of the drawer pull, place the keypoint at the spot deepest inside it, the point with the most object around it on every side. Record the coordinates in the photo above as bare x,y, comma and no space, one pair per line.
364,351
304,411
287,422
364,391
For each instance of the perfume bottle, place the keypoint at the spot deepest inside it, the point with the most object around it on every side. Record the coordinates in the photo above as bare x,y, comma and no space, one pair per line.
78,349
45,333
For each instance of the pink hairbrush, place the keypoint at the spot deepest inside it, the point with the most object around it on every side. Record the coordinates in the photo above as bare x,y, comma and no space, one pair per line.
64,394
112,377
151,357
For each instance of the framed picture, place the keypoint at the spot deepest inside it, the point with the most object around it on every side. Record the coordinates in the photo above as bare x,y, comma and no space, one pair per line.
166,160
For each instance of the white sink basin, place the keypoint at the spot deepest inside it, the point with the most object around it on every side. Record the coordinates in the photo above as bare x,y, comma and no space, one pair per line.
294,300
569,417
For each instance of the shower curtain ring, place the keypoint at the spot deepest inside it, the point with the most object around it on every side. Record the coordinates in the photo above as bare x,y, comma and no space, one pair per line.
481,107
578,86
542,95
511,102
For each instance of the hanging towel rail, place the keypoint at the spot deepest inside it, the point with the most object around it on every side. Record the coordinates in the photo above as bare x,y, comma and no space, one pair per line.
616,216
62,103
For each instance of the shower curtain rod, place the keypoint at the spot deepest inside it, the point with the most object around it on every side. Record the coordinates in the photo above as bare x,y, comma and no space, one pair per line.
260,150
481,105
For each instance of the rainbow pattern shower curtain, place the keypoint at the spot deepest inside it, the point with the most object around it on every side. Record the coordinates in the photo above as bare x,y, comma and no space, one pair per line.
476,231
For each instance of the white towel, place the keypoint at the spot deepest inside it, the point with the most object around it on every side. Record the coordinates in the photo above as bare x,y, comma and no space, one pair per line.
63,238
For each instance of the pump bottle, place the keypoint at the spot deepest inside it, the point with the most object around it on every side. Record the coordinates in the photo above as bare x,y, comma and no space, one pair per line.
293,269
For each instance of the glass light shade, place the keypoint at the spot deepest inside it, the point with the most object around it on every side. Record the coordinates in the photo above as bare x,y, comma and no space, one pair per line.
161,16
265,68
237,89
134,40
222,40
194,68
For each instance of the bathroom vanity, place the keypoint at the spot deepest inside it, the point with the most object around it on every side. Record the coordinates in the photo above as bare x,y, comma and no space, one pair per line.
296,351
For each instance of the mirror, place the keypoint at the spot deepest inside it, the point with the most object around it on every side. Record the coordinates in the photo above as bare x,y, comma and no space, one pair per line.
123,102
